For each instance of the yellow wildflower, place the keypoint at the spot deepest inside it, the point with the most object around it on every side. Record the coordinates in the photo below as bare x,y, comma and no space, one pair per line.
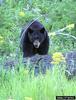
22,14
57,58
71,26
28,98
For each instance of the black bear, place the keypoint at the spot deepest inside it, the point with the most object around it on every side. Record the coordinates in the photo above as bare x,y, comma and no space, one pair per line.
34,40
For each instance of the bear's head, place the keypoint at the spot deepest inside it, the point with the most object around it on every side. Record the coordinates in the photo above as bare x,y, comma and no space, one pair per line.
36,34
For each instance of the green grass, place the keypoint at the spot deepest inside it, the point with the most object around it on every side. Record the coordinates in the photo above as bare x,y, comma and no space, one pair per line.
19,85
53,14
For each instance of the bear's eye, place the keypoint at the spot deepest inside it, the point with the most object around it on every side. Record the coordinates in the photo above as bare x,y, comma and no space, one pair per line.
42,30
30,31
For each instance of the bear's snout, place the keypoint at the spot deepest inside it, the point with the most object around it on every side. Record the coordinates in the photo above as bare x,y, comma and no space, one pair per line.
36,43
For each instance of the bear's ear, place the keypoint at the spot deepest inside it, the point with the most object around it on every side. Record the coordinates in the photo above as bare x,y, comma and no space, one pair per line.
42,30
30,30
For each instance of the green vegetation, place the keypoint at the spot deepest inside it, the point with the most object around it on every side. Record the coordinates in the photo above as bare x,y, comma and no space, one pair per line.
20,86
54,14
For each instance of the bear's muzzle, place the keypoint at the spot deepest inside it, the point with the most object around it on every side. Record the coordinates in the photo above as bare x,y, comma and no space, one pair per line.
36,43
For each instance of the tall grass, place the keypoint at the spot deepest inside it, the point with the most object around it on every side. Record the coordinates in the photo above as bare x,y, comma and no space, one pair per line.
20,86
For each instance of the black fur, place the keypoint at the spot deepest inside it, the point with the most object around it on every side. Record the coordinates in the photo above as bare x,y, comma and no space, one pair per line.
34,31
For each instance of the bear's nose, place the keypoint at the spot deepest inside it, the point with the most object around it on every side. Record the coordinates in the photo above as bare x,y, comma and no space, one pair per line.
36,44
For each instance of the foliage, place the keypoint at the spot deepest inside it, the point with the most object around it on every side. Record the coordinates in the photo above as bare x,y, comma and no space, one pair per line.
21,86
56,14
